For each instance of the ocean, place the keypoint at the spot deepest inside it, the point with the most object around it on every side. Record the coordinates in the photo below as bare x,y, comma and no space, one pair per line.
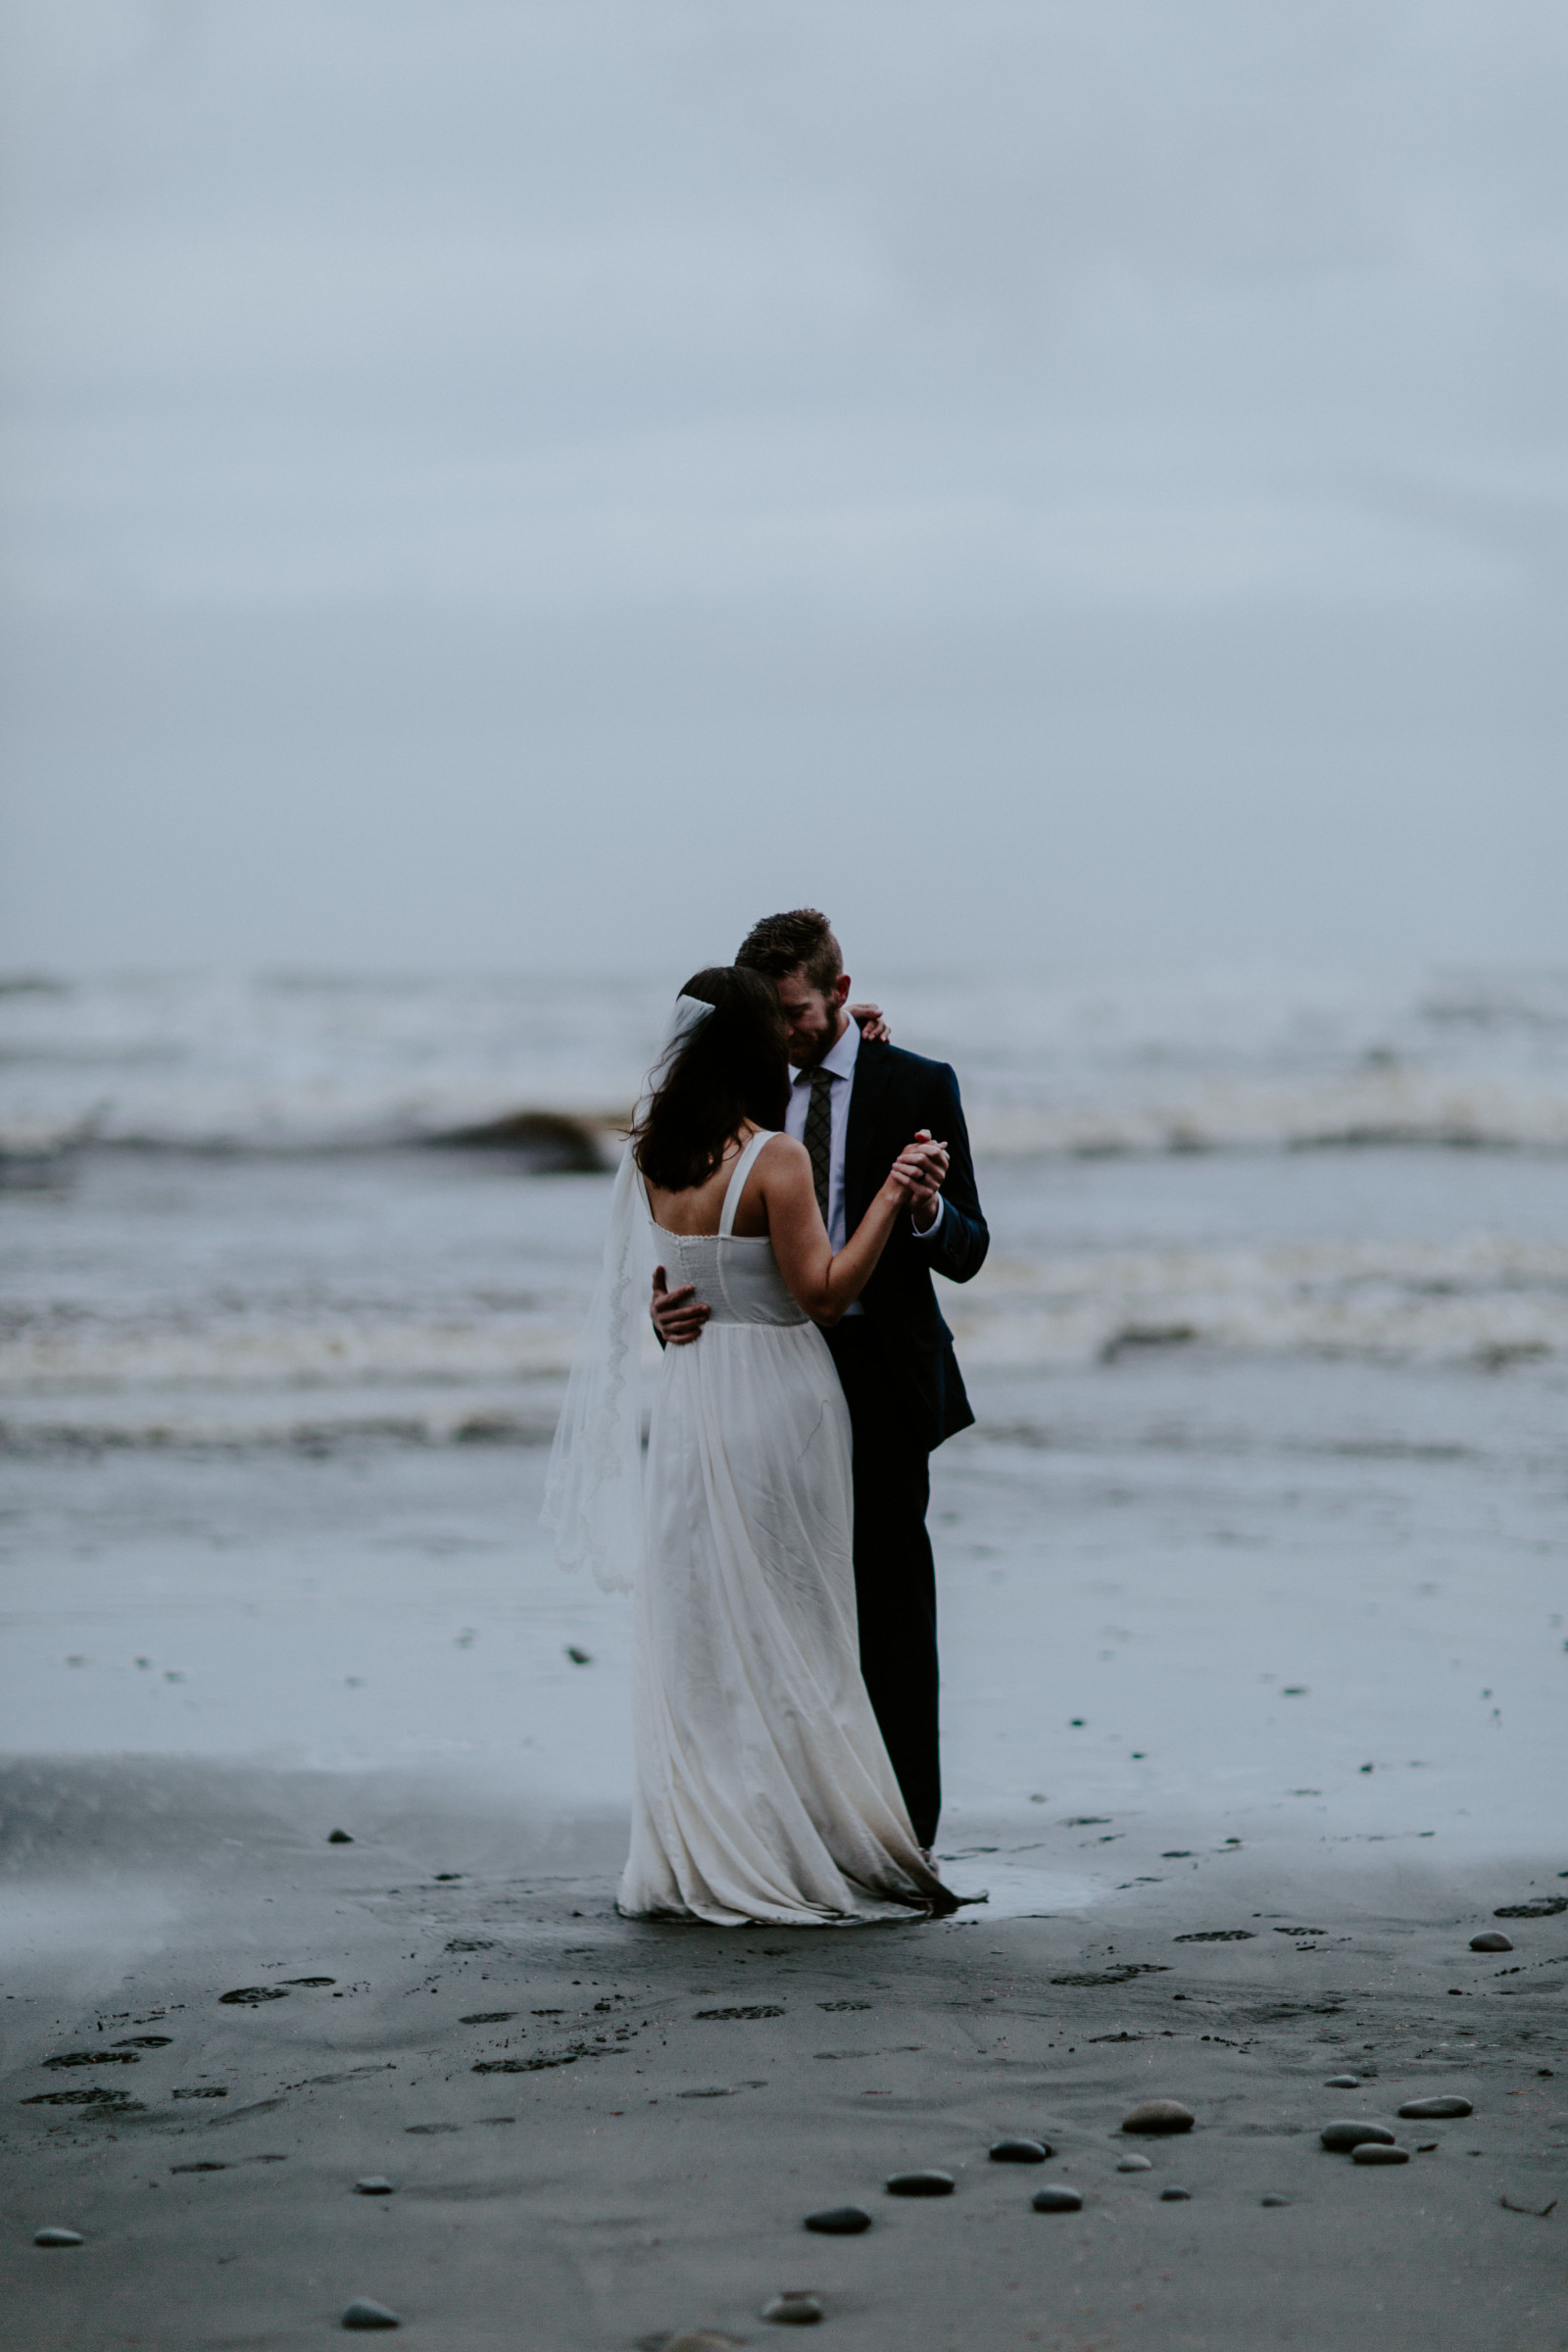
1270,1358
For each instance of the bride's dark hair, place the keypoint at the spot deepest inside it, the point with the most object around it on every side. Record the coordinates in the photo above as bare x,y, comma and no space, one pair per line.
733,1067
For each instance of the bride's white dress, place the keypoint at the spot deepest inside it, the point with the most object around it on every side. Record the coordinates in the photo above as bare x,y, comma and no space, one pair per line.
763,1789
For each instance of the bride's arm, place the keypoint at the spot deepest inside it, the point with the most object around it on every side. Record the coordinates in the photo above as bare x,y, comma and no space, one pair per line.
821,1280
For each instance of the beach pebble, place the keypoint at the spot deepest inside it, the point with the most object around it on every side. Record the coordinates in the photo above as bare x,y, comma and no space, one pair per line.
340,1838
693,2340
251,1996
1545,1906
363,2313
1493,1941
375,2184
1271,2199
1133,2164
839,2221
920,2185
1433,2111
1175,2197
1342,2082
1374,2151
57,2237
1057,2200
795,2309
1019,2151
1158,2115
1341,2139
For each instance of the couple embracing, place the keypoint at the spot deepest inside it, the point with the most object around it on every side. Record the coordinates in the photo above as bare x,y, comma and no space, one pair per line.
793,1183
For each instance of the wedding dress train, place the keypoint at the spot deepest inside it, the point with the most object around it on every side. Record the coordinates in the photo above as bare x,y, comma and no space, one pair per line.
763,1789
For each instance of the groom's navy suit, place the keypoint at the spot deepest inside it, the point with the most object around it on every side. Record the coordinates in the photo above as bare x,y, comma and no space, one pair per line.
902,1383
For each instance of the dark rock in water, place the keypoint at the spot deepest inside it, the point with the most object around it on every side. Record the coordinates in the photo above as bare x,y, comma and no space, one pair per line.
1019,2151
489,2016
1545,1906
375,2184
202,2090
1175,2197
314,1982
1158,2115
549,1143
339,1838
118,2102
1218,1936
1493,1941
1056,2200
145,2041
363,2313
425,2130
757,2009
109,2057
57,2237
1342,2082
920,2185
1133,2164
1374,2151
1273,2201
470,1944
208,2164
1432,2111
1342,2139
839,2221
251,1996
579,1658
795,2309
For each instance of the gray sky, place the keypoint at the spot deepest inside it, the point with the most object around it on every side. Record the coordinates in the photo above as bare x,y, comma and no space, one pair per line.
545,483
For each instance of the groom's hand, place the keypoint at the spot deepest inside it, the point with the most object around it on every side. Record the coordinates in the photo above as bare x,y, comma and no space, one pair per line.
678,1315
872,1027
923,1197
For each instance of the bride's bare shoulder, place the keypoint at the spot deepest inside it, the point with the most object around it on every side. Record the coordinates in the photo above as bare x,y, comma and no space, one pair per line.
782,1156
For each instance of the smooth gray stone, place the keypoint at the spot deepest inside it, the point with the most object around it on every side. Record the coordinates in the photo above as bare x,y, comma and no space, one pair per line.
797,2310
1493,1941
1342,2082
1133,2164
1158,2115
1340,2139
1273,2201
1019,2151
375,2184
57,2237
1175,2197
363,2313
1433,2111
1057,2200
839,2221
920,2185
1376,2151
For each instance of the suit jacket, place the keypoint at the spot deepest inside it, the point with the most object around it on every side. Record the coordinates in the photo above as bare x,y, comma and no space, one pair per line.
894,1093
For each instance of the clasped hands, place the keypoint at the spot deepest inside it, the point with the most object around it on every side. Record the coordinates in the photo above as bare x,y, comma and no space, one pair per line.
919,1173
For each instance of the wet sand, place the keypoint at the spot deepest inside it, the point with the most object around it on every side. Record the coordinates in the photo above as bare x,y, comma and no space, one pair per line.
599,2130
1268,1655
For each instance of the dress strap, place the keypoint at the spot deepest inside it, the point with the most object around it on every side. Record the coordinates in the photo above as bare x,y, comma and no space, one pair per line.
737,1183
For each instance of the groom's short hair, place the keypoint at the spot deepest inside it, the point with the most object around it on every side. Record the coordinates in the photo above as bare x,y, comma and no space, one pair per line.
800,941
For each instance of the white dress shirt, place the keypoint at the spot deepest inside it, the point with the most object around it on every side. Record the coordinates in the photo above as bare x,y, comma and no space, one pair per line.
839,1059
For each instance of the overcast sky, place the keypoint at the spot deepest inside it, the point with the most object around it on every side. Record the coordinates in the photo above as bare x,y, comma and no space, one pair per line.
1071,483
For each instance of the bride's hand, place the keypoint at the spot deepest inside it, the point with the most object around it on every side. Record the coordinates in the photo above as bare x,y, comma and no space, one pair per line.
918,1170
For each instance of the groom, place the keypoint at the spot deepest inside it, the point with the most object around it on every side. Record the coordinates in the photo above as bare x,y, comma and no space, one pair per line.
855,1102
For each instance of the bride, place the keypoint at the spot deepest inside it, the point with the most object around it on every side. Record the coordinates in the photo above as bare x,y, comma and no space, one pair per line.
763,1789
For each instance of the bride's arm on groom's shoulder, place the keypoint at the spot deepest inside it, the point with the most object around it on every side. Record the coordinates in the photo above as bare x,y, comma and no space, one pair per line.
821,1281
871,1024
957,1247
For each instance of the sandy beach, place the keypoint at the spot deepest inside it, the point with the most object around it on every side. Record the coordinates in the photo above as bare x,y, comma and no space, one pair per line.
599,2132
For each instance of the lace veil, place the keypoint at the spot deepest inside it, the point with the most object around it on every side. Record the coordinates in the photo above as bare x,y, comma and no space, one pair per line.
594,1490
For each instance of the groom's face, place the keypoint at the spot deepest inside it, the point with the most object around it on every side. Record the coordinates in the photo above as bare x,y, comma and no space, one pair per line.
815,1017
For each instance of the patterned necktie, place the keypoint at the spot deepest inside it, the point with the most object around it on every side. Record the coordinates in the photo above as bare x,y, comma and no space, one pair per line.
819,1134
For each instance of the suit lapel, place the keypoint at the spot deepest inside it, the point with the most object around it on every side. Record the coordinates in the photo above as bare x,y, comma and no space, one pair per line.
874,1073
